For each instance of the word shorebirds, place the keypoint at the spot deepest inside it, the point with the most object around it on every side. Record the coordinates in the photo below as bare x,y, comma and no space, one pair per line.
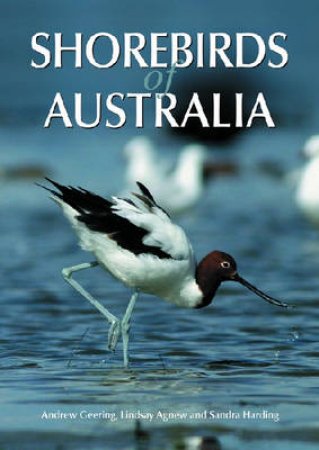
179,188
307,194
136,241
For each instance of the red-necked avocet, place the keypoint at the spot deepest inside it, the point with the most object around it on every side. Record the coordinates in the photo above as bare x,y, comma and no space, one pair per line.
135,240
307,194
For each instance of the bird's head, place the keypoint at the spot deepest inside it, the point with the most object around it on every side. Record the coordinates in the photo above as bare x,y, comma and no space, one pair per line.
218,267
193,154
222,264
138,147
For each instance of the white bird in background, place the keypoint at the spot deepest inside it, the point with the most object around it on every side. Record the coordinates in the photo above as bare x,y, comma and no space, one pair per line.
307,194
176,190
135,240
142,161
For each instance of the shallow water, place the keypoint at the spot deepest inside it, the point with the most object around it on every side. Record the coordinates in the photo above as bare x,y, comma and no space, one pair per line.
219,365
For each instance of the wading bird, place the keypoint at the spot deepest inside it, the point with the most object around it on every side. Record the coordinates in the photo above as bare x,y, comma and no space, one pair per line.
135,240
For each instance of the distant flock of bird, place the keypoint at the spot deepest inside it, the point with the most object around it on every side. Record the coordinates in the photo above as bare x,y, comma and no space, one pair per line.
178,188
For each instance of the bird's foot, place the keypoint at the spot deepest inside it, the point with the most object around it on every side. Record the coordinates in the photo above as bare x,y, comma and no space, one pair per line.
113,335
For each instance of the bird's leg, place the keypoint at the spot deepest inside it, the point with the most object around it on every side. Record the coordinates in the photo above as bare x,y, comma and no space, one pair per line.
125,326
67,275
114,333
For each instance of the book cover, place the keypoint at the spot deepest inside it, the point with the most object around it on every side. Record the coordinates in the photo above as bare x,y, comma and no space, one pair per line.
208,104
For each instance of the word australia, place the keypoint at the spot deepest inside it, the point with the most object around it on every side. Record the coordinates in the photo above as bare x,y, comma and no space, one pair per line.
118,109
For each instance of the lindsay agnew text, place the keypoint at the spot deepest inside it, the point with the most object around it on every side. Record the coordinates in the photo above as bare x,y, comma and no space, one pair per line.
169,52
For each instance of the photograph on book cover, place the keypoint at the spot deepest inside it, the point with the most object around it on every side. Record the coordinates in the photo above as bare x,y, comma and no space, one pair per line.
167,298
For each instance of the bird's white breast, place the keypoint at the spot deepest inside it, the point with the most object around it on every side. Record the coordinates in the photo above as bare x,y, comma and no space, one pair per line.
170,279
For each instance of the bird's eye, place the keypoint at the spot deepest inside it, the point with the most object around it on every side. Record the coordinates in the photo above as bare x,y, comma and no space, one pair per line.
225,264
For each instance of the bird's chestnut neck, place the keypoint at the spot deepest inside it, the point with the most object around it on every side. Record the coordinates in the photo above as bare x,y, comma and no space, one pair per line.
207,279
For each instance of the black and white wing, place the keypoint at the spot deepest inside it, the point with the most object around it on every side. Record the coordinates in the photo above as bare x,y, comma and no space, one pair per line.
137,224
